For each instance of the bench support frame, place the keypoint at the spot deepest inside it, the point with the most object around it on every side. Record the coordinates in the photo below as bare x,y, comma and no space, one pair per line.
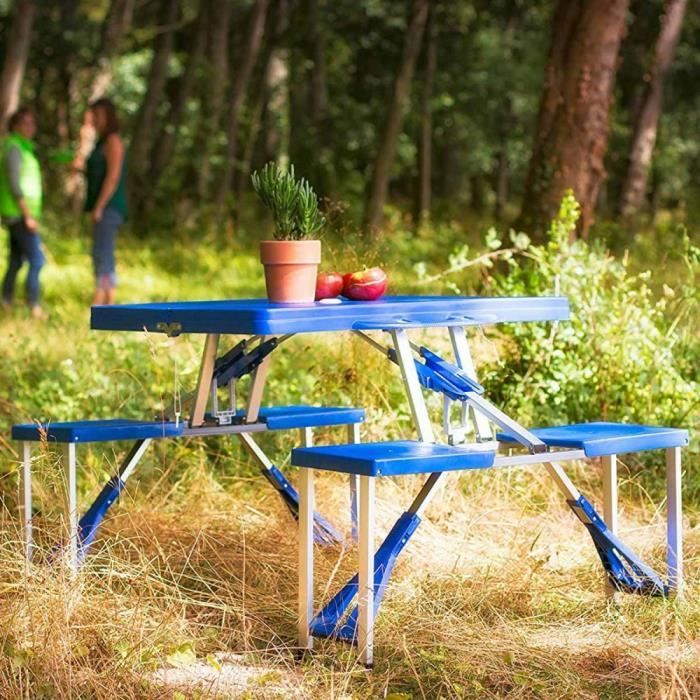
610,503
674,520
27,499
368,586
306,551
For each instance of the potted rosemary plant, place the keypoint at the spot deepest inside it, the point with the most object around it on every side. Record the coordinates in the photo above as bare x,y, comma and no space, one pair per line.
291,260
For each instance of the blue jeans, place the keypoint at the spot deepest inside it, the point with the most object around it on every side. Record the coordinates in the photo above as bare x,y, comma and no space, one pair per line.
104,236
25,246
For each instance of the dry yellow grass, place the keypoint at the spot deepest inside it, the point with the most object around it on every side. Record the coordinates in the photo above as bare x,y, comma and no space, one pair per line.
194,596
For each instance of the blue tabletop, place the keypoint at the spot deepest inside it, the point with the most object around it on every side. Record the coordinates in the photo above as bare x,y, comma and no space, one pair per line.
261,317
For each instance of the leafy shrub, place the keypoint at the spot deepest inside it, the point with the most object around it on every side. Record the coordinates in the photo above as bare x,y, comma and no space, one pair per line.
627,353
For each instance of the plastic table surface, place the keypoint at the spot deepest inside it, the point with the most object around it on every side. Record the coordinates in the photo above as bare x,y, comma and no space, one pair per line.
261,317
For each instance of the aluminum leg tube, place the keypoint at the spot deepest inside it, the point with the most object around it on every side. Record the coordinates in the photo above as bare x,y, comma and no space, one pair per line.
206,373
72,509
354,481
257,388
674,520
365,597
306,557
27,499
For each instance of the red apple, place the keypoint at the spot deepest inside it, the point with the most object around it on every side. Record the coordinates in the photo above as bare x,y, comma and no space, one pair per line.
346,283
366,285
328,285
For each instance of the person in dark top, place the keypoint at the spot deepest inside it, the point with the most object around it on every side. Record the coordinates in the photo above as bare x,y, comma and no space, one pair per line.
105,171
20,207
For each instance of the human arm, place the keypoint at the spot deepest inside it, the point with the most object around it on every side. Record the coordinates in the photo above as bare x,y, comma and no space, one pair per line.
114,155
13,165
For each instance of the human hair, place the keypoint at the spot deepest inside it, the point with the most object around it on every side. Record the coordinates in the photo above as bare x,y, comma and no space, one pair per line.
110,112
17,117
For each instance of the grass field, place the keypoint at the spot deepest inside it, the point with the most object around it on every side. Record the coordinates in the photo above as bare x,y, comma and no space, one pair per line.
191,589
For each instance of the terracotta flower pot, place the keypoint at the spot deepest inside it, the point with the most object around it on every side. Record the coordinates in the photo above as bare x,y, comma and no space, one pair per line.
290,270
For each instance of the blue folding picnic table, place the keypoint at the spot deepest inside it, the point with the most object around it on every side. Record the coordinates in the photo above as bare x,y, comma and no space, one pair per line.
470,440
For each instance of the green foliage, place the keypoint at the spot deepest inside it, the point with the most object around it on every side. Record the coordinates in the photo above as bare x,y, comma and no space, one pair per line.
630,351
291,201
625,354
309,218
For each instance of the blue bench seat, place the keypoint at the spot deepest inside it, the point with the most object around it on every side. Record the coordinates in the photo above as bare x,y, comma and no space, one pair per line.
601,438
289,417
96,430
276,418
392,458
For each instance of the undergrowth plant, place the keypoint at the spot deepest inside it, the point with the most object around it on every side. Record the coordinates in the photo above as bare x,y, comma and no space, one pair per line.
628,353
291,201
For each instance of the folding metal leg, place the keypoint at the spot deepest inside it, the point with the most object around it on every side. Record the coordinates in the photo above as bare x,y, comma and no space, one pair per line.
460,347
206,372
27,498
306,557
674,520
91,520
325,533
365,602
413,390
72,509
353,480
610,504
257,388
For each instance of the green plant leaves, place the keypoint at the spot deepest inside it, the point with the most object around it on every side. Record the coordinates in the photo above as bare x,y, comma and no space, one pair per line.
291,201
182,656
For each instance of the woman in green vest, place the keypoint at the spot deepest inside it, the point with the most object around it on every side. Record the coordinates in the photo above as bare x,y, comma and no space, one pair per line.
20,207
106,196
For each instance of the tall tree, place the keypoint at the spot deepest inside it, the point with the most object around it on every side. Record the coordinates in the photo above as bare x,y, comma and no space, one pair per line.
241,78
386,149
574,119
115,28
277,90
318,93
425,146
214,97
165,143
16,58
647,122
257,101
146,119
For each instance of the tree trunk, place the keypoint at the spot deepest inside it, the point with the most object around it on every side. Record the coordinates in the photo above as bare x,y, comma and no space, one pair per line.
15,58
574,118
477,192
502,167
214,96
314,115
253,40
242,175
425,149
502,177
165,144
647,122
318,95
278,107
144,128
386,148
257,102
115,28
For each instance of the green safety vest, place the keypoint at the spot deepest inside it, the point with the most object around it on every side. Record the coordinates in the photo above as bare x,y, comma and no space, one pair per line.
29,179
